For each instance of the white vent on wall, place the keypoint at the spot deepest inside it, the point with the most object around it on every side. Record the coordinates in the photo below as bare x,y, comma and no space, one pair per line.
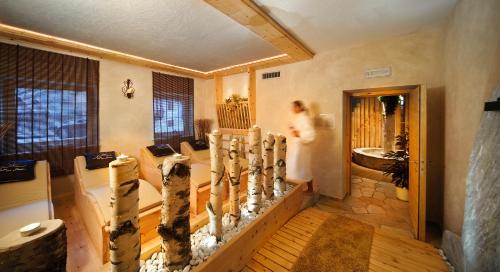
270,75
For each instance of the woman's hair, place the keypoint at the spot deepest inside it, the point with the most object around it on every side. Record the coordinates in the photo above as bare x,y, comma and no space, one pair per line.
300,105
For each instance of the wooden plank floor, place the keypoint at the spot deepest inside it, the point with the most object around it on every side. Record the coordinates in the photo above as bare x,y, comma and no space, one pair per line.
389,251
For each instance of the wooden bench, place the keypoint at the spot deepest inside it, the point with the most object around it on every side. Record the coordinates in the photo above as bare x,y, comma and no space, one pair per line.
150,165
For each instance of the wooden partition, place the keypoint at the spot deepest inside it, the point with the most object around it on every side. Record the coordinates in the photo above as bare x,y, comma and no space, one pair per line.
367,122
233,115
234,255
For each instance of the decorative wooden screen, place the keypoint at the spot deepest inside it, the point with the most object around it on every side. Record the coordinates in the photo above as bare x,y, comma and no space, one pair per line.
367,123
233,115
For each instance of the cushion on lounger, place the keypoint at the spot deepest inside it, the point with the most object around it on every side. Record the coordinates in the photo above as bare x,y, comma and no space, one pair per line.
200,156
19,216
99,160
20,193
160,150
91,178
20,170
149,197
198,145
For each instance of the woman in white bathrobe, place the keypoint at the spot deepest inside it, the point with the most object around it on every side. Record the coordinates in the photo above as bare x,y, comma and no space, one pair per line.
299,146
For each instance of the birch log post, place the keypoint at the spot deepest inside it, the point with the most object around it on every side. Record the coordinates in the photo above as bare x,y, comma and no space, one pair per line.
279,164
44,250
174,227
268,158
124,237
214,205
234,174
254,197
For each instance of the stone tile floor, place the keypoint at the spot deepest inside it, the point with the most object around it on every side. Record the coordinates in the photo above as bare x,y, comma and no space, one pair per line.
373,202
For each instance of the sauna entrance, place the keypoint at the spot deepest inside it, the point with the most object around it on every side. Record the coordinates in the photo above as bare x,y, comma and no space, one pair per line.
384,130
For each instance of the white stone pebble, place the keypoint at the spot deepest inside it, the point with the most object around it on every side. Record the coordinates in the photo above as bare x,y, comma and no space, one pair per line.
203,245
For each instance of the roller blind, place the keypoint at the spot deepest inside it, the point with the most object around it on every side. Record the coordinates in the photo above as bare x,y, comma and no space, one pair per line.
51,100
173,109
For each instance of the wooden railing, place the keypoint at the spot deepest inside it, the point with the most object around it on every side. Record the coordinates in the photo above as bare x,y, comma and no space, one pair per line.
233,115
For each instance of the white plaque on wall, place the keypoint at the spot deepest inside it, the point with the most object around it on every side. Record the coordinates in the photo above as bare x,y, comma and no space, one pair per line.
378,72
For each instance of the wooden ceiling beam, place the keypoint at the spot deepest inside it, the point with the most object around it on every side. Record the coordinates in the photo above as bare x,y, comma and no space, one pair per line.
19,34
77,47
259,64
251,16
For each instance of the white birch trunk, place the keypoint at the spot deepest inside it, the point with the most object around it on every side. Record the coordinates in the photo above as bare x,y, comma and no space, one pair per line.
124,237
214,205
279,164
254,196
174,225
234,174
268,158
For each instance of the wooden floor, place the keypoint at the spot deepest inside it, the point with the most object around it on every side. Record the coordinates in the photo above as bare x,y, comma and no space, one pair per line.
389,252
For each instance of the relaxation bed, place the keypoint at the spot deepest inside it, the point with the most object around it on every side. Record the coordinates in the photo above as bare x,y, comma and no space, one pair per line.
92,198
150,166
26,202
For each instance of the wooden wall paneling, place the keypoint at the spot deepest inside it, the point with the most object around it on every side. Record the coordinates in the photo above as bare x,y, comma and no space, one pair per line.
219,91
407,114
367,121
362,123
376,110
372,121
252,95
397,118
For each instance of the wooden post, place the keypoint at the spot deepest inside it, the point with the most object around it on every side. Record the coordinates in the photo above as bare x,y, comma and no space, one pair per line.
214,205
124,237
252,95
254,197
174,227
45,250
279,164
268,158
234,181
242,147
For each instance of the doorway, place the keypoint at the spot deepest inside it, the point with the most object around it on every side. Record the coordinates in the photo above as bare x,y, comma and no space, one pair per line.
359,148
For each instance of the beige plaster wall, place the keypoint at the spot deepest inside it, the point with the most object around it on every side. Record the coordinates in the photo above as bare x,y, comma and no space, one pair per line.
415,58
472,70
235,84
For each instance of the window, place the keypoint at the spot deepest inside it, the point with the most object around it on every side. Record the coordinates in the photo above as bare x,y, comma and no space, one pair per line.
168,113
43,103
173,109
50,101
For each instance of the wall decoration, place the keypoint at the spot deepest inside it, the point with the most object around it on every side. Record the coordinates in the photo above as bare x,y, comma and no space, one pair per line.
127,89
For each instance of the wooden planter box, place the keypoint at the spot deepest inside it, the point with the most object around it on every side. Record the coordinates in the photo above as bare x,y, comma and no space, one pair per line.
234,255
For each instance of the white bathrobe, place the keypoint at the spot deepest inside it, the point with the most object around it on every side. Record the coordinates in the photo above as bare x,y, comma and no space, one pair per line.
298,165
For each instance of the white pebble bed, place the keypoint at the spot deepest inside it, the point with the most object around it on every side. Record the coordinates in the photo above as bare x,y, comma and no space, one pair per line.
203,244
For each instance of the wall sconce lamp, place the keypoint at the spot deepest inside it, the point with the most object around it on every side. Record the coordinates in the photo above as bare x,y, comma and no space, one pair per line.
127,89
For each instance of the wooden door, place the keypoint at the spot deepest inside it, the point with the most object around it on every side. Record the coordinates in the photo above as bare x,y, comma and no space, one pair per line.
418,159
